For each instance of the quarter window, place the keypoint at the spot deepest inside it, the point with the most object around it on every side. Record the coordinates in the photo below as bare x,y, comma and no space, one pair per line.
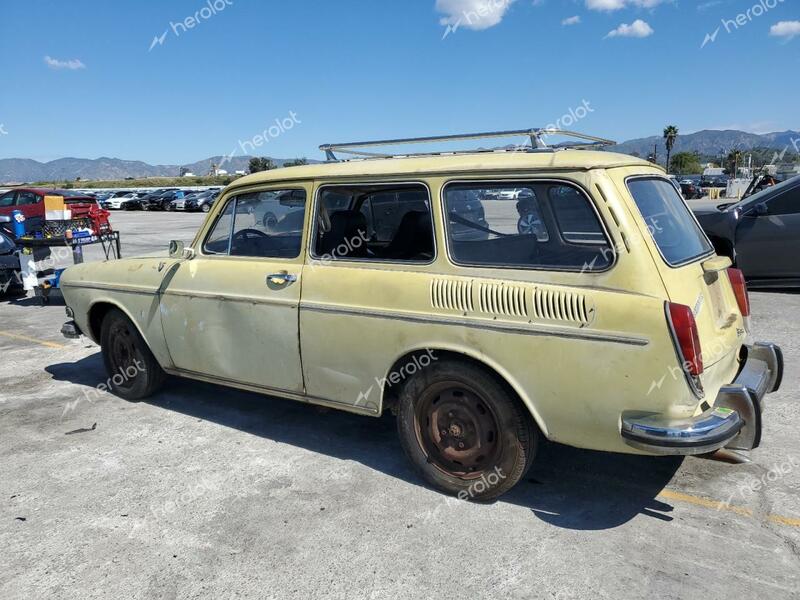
787,203
375,222
266,224
533,225
674,230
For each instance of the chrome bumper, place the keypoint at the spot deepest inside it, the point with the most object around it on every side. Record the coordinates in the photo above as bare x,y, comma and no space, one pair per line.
733,422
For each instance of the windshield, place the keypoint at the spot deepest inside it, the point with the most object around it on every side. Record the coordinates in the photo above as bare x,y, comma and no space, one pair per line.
764,194
676,233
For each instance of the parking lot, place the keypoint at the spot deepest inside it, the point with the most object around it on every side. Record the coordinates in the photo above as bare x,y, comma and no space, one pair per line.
209,491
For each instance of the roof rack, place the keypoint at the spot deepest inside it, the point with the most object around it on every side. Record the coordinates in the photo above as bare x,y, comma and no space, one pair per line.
537,143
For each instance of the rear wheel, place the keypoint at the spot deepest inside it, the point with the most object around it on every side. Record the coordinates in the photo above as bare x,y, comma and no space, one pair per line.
464,432
205,208
132,369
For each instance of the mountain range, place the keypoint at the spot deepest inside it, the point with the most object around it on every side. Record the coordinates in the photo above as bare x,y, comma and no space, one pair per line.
21,170
24,170
711,142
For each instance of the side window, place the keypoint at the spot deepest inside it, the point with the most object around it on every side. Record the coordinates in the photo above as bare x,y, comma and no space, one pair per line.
535,225
265,224
787,203
218,240
576,218
7,199
27,198
375,222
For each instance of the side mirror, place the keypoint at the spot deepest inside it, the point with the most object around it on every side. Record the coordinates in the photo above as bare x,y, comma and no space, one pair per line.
5,219
178,249
759,210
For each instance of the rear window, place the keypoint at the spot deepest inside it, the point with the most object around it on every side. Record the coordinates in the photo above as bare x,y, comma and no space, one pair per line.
677,235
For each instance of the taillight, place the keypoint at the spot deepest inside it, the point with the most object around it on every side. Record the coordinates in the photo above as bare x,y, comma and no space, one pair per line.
687,337
740,290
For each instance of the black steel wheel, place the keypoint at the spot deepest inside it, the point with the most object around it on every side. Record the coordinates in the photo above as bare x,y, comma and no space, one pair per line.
464,432
133,372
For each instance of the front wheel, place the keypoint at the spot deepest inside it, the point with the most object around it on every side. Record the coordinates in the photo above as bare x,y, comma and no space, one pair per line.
464,432
132,369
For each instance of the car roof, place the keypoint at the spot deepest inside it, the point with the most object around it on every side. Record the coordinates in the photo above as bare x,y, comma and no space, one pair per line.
52,192
453,163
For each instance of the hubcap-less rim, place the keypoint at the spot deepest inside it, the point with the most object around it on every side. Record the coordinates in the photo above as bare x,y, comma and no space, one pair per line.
123,355
457,430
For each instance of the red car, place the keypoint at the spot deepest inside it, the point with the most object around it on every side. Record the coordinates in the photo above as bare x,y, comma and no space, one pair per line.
30,201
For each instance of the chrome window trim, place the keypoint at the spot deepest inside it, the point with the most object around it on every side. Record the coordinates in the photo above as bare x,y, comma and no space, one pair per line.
697,258
312,255
234,197
517,179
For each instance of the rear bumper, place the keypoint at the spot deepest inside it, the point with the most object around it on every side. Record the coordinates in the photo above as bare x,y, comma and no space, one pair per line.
734,421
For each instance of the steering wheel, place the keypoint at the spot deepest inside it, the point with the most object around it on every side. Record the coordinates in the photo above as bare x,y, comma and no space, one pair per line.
245,233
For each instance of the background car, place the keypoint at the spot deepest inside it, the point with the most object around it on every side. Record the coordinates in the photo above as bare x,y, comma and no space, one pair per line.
135,202
155,199
172,199
202,201
30,201
761,234
690,191
10,278
117,200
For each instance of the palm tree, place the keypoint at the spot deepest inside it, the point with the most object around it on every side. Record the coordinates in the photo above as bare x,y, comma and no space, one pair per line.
670,135
732,166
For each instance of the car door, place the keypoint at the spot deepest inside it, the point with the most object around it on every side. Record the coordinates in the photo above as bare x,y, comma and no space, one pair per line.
30,204
767,245
373,244
230,313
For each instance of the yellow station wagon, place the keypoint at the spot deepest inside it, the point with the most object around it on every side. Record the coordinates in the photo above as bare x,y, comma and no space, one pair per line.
488,298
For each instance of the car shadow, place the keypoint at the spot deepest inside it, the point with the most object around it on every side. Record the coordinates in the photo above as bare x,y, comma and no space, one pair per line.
567,487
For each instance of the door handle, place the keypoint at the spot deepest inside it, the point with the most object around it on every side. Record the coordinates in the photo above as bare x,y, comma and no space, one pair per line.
281,278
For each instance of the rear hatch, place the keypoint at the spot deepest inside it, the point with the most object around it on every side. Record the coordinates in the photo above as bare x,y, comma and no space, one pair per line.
80,206
692,274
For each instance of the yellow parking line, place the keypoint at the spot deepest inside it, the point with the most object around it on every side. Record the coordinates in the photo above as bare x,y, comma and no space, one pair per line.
784,520
717,505
25,338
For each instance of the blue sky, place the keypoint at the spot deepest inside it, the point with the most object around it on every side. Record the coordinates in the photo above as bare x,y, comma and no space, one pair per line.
80,78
